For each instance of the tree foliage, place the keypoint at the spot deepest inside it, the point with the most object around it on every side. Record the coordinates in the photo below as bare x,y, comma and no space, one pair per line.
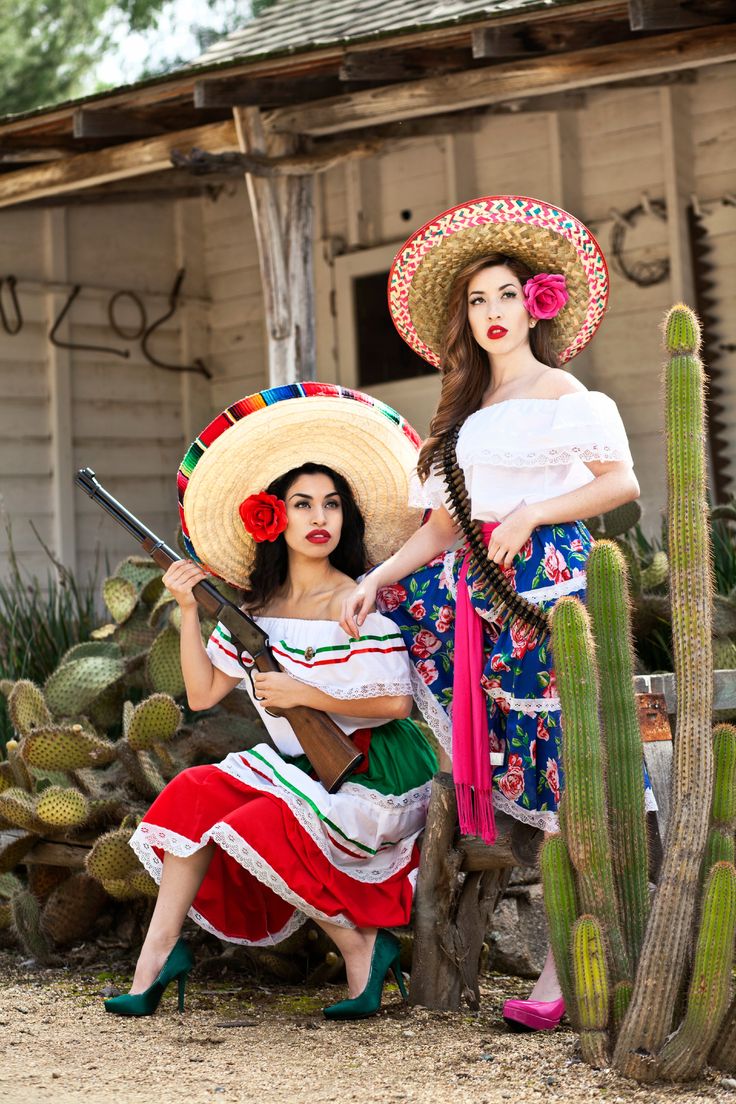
49,49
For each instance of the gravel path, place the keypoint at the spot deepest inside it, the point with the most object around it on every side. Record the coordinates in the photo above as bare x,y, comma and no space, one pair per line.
241,1042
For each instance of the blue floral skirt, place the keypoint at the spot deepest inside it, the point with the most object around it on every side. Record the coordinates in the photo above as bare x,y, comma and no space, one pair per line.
518,676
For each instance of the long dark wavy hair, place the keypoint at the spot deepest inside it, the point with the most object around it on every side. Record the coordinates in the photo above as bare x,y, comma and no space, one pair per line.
464,365
271,564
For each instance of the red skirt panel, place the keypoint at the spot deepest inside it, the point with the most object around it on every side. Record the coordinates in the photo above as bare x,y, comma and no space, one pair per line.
266,875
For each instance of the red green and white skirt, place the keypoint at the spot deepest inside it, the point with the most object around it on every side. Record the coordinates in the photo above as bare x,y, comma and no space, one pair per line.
285,849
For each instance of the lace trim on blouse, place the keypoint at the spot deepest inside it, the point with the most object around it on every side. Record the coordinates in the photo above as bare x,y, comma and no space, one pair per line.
549,457
398,688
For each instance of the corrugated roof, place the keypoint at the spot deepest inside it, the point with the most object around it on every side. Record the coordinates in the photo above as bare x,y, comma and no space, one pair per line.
291,26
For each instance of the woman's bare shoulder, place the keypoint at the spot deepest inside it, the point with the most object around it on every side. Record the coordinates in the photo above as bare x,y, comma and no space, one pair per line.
556,382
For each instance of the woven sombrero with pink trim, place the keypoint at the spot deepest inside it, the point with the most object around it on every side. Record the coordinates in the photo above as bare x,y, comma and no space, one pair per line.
546,238
266,434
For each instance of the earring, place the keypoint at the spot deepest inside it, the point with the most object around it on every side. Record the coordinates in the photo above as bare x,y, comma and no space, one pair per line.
532,323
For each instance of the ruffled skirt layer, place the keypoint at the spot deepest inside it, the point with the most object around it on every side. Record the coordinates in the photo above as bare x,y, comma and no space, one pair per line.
284,849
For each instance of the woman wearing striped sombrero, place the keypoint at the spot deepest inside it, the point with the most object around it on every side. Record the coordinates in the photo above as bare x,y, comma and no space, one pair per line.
289,495
499,293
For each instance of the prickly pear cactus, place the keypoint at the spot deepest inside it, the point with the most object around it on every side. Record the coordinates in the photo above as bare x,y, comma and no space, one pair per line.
93,748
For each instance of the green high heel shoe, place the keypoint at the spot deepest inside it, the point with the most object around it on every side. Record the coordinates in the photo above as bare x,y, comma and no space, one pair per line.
385,957
175,968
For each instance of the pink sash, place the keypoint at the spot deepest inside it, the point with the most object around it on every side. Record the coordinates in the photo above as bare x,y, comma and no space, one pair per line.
471,753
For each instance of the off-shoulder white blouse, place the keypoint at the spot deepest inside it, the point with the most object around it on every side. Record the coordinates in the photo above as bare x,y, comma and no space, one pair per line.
529,450
376,664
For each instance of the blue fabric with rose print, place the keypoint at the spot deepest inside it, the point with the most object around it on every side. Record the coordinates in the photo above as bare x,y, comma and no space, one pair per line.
518,677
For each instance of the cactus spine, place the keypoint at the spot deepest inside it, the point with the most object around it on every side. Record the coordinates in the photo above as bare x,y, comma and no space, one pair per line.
585,795
608,605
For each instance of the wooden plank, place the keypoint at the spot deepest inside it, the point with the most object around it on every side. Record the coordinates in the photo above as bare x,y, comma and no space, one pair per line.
100,122
660,15
48,852
212,92
87,170
472,88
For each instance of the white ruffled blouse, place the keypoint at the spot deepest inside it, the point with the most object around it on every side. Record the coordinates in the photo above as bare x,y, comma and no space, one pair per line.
529,450
374,665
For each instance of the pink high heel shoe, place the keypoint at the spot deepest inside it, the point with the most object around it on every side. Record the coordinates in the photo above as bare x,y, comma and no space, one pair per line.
529,1015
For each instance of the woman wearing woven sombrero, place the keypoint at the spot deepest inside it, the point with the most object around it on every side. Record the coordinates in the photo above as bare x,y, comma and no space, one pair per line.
289,494
498,293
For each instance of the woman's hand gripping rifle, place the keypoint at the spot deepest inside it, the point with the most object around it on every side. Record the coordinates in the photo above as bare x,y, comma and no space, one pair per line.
332,754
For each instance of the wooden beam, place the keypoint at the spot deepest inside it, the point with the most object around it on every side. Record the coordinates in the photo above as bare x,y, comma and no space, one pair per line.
104,123
395,65
665,15
261,91
87,170
530,39
476,87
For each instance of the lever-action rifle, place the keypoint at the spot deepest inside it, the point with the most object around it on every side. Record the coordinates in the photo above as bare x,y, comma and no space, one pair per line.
332,755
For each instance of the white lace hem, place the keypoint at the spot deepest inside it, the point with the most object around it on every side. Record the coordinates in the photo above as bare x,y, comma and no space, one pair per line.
432,711
373,868
147,836
548,457
528,706
550,593
398,688
545,820
247,857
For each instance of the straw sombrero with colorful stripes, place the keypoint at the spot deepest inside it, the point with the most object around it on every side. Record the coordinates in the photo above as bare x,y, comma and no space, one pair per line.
267,434
546,238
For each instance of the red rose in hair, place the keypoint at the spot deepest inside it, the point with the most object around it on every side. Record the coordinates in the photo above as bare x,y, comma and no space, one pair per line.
263,516
545,295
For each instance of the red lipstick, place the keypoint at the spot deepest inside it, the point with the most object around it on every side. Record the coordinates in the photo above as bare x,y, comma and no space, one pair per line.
495,332
319,536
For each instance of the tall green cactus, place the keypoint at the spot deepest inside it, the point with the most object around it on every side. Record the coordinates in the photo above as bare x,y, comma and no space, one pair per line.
586,812
697,886
684,1053
665,952
608,605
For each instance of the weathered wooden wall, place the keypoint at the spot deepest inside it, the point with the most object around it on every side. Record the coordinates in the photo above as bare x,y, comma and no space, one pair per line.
62,409
131,421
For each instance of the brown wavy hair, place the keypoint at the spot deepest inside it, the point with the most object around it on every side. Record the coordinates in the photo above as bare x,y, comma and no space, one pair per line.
464,365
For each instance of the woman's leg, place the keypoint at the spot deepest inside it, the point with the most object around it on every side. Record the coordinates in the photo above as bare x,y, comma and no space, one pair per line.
356,947
547,987
180,880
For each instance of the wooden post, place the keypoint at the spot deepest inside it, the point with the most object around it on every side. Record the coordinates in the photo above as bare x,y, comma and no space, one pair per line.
452,915
282,215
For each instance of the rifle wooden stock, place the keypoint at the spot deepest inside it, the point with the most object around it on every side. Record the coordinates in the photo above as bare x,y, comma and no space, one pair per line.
332,754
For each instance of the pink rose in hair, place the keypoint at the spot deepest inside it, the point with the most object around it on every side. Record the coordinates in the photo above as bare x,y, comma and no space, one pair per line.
545,295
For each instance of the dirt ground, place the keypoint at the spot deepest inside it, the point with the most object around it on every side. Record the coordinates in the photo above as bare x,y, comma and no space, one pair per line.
238,1041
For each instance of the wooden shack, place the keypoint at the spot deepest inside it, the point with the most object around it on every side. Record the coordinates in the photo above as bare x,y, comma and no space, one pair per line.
145,285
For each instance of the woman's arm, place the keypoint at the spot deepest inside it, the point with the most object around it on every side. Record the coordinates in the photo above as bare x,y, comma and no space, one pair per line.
205,684
613,485
437,534
277,690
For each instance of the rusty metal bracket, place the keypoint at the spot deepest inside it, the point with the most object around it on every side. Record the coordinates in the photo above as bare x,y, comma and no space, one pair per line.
76,345
197,365
17,325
